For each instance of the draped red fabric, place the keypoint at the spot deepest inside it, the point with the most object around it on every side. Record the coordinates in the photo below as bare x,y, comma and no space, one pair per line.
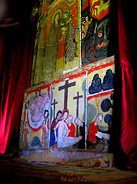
16,49
129,103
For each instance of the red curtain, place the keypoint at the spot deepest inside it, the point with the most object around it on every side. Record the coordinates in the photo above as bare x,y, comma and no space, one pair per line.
16,49
129,103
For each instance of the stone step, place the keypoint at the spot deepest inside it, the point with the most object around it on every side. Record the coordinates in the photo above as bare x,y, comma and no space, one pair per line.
77,158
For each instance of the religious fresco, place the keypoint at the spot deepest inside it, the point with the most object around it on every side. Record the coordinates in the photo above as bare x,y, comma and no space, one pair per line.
100,106
70,34
95,29
68,113
35,120
71,111
99,127
57,41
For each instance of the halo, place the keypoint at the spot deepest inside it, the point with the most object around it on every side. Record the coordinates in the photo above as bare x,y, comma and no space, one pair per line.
66,111
66,11
70,2
58,11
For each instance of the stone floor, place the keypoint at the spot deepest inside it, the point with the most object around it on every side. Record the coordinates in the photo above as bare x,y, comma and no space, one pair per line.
59,166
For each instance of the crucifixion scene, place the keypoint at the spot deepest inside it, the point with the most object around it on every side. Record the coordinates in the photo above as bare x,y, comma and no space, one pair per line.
68,124
74,112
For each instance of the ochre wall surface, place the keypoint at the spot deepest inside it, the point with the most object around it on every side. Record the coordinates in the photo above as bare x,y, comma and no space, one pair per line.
80,95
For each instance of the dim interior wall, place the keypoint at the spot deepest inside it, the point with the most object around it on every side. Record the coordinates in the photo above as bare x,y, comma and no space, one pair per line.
57,43
84,93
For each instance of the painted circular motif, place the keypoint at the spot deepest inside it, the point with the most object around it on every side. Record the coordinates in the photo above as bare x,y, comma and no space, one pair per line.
100,33
108,118
105,105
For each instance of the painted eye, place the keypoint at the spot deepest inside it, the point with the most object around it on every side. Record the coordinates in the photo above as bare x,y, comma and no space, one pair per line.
100,33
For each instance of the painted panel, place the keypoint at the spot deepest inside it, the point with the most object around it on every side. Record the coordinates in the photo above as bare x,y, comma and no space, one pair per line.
68,98
100,103
35,119
57,44
58,47
71,111
95,29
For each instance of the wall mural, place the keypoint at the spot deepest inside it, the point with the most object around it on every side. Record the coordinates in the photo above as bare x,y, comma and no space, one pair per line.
35,128
57,41
58,47
72,111
68,99
95,29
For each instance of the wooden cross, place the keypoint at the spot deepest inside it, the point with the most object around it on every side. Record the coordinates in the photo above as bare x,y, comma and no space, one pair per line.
54,103
77,98
77,108
65,87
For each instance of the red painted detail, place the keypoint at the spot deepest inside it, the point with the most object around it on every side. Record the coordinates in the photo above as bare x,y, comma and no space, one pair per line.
101,67
42,87
100,94
102,44
34,129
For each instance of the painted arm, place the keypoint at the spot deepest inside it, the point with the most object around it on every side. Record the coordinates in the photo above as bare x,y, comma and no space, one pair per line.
55,135
67,132
55,131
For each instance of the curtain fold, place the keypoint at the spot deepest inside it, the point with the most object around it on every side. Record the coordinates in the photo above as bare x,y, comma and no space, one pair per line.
129,103
16,50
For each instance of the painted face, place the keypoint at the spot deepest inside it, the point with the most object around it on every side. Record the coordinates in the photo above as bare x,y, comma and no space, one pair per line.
38,93
63,32
65,15
70,119
86,18
57,19
78,122
59,116
99,119
65,115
